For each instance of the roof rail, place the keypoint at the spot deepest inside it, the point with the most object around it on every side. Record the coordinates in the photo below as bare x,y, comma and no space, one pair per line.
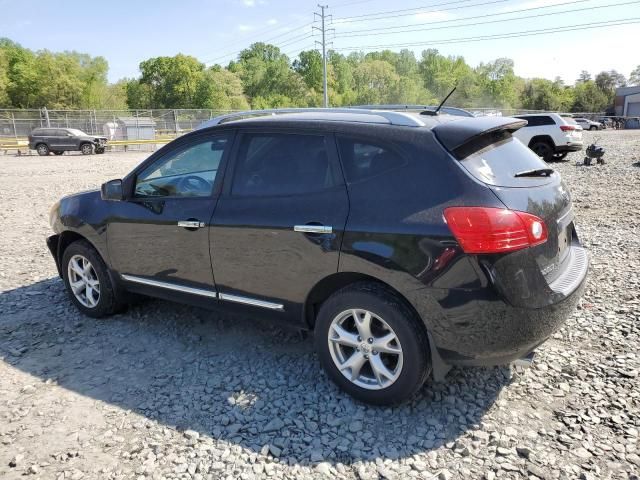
445,109
393,118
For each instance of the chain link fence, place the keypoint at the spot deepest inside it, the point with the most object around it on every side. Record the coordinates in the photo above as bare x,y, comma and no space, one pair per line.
145,124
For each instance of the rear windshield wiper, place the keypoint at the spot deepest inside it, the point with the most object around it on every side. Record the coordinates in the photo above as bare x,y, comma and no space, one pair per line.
538,172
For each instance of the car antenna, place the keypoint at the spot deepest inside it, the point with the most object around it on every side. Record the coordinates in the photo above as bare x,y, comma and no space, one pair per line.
437,110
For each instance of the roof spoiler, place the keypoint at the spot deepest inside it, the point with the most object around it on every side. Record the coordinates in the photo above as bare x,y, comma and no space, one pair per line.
468,135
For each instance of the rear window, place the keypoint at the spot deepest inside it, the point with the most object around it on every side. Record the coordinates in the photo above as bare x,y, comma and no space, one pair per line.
538,120
498,164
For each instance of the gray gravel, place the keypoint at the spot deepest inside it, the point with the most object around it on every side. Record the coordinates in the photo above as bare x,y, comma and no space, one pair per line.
168,391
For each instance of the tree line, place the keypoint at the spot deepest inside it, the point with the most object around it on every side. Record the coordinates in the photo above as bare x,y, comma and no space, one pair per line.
262,76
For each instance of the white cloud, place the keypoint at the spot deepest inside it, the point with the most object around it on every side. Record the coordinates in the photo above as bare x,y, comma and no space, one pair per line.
245,28
249,3
272,21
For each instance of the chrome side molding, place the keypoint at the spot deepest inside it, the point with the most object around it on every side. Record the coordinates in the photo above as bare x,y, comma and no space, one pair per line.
170,286
204,293
313,228
251,301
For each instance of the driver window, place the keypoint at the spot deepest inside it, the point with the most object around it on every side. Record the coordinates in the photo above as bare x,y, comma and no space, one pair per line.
189,171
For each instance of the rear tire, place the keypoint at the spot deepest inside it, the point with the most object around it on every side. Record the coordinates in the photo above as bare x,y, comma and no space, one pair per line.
86,149
88,282
543,149
42,149
593,128
382,376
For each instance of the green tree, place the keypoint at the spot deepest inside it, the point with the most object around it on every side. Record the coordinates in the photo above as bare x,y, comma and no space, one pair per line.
309,66
634,77
584,76
589,98
172,81
220,89
375,82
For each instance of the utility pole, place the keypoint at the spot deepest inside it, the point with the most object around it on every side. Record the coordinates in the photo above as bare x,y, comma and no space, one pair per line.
323,16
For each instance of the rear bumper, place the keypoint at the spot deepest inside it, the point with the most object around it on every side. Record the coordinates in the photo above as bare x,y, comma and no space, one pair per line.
569,147
483,329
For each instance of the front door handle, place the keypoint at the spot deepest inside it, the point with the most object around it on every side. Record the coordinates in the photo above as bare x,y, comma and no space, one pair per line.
313,228
190,224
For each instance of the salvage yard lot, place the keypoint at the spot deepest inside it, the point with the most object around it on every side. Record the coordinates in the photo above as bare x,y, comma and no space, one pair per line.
168,391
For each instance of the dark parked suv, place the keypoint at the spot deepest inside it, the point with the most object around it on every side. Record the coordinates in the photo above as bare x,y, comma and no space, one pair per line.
407,243
60,140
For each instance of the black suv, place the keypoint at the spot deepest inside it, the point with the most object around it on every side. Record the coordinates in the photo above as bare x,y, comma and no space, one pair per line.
406,243
60,140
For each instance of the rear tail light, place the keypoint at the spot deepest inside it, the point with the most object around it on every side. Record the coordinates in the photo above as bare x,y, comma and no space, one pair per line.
568,128
494,230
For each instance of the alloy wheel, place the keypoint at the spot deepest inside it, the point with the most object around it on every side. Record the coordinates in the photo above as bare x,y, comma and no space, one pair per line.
365,349
83,281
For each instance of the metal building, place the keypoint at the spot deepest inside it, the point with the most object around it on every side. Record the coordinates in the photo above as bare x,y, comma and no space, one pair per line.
627,103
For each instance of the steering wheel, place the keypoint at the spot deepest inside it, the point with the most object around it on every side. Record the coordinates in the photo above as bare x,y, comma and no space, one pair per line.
193,184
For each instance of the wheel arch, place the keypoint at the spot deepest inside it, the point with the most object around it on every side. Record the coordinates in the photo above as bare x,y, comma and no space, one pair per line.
542,138
331,284
66,238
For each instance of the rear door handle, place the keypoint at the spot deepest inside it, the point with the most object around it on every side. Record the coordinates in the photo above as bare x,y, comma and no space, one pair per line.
190,224
313,228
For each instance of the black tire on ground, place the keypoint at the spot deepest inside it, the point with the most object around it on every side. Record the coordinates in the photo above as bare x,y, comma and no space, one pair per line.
42,149
58,152
593,127
107,303
99,150
560,155
411,335
86,149
543,149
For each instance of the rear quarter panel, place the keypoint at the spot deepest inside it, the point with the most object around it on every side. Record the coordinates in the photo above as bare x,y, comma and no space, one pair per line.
396,232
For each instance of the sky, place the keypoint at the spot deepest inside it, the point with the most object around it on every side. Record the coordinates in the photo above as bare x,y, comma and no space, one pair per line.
127,32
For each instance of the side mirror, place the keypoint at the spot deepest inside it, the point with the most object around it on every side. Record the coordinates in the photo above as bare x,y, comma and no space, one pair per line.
112,190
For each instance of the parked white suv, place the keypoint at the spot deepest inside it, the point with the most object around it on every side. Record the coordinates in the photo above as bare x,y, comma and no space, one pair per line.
587,124
550,135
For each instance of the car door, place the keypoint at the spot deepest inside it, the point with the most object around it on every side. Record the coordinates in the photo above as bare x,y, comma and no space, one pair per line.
278,226
160,236
67,140
57,139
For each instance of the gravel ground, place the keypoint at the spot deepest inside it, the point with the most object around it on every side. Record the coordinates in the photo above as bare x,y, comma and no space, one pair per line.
168,391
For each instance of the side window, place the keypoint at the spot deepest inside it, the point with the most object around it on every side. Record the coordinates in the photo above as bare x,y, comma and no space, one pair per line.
59,133
281,164
189,171
363,159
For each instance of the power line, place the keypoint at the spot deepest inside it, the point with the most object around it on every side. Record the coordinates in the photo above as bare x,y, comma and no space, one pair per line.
493,21
368,31
293,30
526,33
387,13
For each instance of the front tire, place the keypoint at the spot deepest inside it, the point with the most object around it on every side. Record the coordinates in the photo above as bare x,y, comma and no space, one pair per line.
560,156
371,345
86,149
42,149
87,281
592,128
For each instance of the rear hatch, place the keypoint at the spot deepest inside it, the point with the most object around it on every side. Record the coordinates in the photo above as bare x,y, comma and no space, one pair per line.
519,178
